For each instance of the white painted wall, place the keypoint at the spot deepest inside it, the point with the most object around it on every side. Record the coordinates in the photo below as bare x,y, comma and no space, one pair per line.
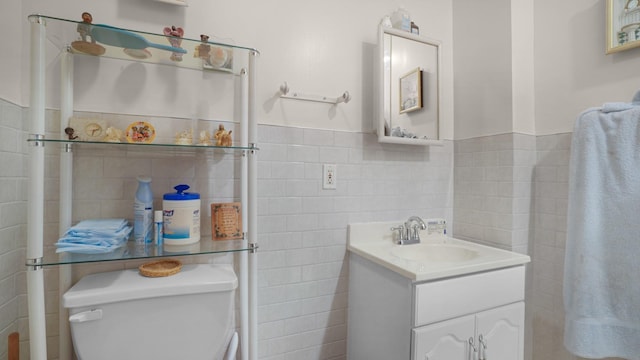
522,64
572,72
533,66
322,48
483,71
11,22
326,48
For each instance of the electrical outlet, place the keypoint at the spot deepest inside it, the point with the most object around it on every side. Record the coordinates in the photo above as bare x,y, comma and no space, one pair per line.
329,176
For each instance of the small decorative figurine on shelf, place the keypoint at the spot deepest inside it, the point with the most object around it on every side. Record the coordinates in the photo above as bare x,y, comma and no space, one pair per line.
203,50
219,133
226,139
175,39
184,137
113,134
222,136
84,29
70,133
204,138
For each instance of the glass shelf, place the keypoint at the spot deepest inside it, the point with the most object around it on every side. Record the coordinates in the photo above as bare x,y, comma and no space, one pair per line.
126,145
144,46
132,252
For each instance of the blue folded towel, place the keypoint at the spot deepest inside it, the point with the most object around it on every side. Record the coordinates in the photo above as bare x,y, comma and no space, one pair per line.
95,236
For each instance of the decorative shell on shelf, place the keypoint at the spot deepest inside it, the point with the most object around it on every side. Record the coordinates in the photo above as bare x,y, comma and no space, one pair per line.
113,134
204,138
184,137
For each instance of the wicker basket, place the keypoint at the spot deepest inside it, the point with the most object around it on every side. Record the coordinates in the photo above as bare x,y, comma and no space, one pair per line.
160,268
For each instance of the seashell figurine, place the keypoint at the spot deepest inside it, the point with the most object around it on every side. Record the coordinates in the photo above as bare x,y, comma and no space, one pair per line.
184,137
113,134
204,138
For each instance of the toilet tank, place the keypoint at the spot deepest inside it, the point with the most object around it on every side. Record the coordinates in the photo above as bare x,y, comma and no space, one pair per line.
124,315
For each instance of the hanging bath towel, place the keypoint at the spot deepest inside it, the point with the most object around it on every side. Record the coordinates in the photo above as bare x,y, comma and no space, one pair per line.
602,259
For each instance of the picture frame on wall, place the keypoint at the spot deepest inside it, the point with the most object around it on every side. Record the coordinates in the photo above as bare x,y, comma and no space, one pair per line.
411,91
623,25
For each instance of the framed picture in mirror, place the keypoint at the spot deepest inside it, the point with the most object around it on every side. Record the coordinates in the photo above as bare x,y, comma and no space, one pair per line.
411,91
623,27
408,94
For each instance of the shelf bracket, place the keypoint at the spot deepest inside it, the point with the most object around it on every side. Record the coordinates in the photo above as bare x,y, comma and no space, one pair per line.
34,264
253,248
37,140
284,93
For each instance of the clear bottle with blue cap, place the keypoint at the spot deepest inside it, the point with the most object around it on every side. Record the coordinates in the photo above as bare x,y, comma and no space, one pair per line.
143,212
181,216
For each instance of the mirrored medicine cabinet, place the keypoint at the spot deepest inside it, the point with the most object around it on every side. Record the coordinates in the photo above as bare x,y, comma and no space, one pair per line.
408,77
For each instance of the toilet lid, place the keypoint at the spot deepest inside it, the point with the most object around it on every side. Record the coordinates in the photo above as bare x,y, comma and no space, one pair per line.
125,285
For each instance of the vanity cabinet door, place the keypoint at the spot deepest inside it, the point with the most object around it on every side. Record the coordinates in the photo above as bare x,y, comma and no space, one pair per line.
502,330
446,340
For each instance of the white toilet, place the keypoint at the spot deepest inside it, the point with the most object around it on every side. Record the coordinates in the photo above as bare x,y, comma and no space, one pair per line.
124,315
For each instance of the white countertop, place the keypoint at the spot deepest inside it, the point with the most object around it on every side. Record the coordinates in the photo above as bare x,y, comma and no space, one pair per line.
374,241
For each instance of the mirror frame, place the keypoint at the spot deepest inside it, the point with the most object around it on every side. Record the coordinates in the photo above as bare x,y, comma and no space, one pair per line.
379,127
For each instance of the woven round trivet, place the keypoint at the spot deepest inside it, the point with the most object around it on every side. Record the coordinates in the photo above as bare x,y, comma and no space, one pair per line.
160,268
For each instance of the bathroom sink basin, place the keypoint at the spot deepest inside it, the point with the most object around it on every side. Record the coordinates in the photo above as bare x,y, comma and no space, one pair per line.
438,256
434,253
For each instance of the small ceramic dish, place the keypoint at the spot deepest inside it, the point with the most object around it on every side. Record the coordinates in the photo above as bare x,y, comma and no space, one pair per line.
140,132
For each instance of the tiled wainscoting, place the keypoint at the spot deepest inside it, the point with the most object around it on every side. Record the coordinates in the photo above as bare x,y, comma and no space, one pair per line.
13,215
551,199
510,191
493,190
303,258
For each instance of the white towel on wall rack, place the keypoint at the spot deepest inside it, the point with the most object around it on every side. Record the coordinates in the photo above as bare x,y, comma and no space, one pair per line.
601,295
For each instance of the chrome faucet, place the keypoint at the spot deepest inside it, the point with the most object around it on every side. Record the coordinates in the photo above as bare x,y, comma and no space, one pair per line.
409,232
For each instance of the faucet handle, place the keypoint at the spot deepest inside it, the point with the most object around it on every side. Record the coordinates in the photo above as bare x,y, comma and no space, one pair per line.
414,232
401,232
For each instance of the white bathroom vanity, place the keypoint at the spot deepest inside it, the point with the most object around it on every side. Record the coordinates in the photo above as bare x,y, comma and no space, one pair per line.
441,299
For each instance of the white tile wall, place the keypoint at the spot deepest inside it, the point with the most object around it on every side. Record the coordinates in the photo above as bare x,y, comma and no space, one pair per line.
12,221
492,200
303,275
551,197
303,260
519,201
